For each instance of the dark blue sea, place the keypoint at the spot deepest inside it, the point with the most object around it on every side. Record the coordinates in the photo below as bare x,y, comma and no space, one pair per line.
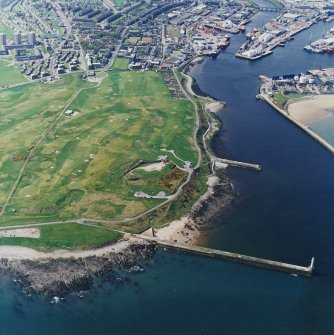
284,213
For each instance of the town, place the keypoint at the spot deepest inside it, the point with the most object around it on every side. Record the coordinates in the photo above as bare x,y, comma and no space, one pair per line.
281,88
49,38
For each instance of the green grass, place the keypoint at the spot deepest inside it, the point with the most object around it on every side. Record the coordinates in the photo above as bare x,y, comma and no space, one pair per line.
78,169
65,236
133,40
9,74
118,3
281,99
121,63
173,31
5,29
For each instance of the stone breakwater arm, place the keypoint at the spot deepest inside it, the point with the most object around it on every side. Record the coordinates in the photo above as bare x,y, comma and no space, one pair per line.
238,258
315,136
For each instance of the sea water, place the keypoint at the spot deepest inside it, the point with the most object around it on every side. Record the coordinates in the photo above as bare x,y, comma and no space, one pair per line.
325,127
284,213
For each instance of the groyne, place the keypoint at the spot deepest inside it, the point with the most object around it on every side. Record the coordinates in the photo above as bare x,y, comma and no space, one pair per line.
243,165
262,263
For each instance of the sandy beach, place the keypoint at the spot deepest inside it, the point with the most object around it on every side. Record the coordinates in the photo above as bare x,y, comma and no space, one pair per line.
215,106
184,230
180,231
309,109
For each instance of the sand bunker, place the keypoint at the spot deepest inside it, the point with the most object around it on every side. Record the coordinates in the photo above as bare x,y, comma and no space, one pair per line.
153,167
26,232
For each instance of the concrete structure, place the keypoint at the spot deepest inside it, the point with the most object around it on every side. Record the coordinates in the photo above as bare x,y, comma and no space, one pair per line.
307,271
17,39
3,39
32,38
243,165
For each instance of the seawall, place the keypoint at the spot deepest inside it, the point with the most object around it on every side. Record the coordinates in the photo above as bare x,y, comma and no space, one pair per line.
307,271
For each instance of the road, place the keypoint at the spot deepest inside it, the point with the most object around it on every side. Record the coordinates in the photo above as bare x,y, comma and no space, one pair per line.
115,53
197,121
69,32
109,4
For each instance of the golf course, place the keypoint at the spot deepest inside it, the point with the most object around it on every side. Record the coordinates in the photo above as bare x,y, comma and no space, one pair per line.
70,149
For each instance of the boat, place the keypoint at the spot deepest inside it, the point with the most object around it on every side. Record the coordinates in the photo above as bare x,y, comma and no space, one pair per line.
215,53
308,48
328,50
224,44
242,29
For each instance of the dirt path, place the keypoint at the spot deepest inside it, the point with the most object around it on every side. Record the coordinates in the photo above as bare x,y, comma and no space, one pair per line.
20,253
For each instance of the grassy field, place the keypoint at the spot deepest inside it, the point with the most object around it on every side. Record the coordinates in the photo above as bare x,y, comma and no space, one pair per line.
118,3
280,99
77,170
121,64
133,40
10,75
65,236
6,30
173,31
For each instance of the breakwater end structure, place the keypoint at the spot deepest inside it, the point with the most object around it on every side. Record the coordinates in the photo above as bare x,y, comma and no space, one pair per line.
307,271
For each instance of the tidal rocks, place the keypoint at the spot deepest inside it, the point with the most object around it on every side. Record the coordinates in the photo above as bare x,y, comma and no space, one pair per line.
54,277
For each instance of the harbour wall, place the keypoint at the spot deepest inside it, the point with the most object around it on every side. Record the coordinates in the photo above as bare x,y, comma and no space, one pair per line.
314,135
307,271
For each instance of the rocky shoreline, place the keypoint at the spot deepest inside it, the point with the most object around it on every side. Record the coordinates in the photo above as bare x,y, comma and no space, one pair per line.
189,227
59,275
56,277
219,195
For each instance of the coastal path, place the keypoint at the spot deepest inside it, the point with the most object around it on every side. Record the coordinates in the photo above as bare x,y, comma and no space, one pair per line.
213,158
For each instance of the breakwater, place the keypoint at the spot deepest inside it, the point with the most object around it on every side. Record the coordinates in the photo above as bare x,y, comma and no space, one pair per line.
314,135
307,271
243,165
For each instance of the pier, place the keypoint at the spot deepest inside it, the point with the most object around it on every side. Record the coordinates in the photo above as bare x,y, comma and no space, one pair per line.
262,263
243,165
264,54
